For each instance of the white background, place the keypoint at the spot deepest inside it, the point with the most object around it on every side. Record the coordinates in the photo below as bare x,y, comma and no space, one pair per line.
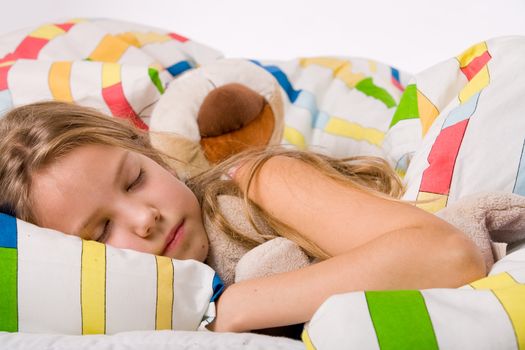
409,34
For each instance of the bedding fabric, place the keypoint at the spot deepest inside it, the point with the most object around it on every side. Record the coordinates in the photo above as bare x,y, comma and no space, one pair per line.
452,130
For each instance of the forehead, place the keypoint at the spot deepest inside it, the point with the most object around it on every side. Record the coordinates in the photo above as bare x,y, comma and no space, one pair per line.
75,183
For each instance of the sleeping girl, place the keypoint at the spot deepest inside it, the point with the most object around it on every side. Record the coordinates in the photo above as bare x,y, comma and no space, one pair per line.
73,169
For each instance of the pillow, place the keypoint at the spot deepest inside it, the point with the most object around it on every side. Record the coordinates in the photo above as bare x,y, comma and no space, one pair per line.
486,314
55,283
470,110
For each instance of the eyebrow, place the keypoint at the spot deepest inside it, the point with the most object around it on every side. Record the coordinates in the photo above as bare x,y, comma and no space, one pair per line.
116,177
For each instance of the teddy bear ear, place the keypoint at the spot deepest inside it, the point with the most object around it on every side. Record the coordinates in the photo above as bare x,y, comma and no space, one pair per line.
233,118
222,108
228,108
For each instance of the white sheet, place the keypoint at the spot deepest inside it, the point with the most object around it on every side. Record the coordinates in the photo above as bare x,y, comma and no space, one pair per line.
148,340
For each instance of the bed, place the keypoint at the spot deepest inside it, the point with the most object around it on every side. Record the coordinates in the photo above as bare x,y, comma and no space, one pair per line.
450,131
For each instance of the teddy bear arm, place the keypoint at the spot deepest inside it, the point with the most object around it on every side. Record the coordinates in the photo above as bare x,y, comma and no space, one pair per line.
272,257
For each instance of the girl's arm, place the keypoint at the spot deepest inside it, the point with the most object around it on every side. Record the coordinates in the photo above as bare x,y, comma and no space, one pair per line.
375,244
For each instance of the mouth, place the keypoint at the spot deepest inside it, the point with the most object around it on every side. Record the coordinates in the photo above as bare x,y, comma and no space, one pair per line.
173,237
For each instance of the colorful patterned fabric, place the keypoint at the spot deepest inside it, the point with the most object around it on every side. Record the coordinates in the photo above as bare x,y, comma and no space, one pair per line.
462,132
118,67
455,129
338,106
53,283
470,110
487,314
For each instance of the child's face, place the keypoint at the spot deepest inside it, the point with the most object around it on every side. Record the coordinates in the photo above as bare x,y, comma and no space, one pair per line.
126,200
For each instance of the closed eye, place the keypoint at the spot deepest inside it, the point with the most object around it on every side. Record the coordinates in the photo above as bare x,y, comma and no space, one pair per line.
137,181
105,232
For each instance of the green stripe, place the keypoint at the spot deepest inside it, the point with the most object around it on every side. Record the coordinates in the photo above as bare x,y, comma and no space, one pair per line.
8,290
367,87
401,320
407,108
154,76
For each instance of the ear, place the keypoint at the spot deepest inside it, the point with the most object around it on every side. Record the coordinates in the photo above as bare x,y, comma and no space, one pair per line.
228,108
233,118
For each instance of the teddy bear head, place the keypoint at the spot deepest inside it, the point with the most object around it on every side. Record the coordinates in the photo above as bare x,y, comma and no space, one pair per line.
215,111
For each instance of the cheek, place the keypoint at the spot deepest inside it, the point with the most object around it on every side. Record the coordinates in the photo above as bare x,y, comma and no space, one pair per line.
123,241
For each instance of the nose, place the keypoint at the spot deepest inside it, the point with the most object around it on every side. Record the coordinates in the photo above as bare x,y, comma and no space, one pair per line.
145,221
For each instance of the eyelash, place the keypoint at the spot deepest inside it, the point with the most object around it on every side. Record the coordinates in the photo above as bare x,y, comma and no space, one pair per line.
107,223
137,181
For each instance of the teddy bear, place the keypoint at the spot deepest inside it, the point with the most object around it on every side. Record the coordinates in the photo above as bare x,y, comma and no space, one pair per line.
206,115
222,108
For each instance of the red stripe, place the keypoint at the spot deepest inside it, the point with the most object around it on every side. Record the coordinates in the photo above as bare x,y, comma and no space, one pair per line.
3,77
30,47
8,57
178,37
442,158
397,84
475,65
65,26
119,106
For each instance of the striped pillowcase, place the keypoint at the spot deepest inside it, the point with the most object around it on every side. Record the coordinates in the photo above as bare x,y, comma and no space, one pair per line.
487,314
55,283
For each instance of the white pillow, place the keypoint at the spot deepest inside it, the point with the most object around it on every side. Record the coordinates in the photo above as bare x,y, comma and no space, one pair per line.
486,314
54,283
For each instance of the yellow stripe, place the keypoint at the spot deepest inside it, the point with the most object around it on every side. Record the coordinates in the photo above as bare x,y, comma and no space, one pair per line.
163,319
327,62
472,52
475,85
341,69
48,32
427,111
307,341
349,78
110,49
130,38
93,284
151,37
59,81
372,65
77,20
341,127
110,74
8,63
501,280
294,137
435,204
511,295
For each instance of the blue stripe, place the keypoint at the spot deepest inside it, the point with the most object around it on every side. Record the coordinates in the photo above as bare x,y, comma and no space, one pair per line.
395,73
282,79
6,102
308,101
462,112
321,120
179,67
519,186
8,231
218,287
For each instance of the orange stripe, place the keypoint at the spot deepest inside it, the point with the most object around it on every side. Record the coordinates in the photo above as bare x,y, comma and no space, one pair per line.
110,49
59,81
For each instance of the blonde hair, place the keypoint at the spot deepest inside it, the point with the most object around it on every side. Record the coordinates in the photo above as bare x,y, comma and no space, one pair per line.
34,136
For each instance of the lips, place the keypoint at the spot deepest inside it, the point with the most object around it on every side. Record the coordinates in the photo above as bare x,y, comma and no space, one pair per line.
173,237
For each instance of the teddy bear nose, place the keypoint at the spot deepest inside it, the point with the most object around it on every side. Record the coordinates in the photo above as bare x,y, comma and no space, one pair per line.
228,108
